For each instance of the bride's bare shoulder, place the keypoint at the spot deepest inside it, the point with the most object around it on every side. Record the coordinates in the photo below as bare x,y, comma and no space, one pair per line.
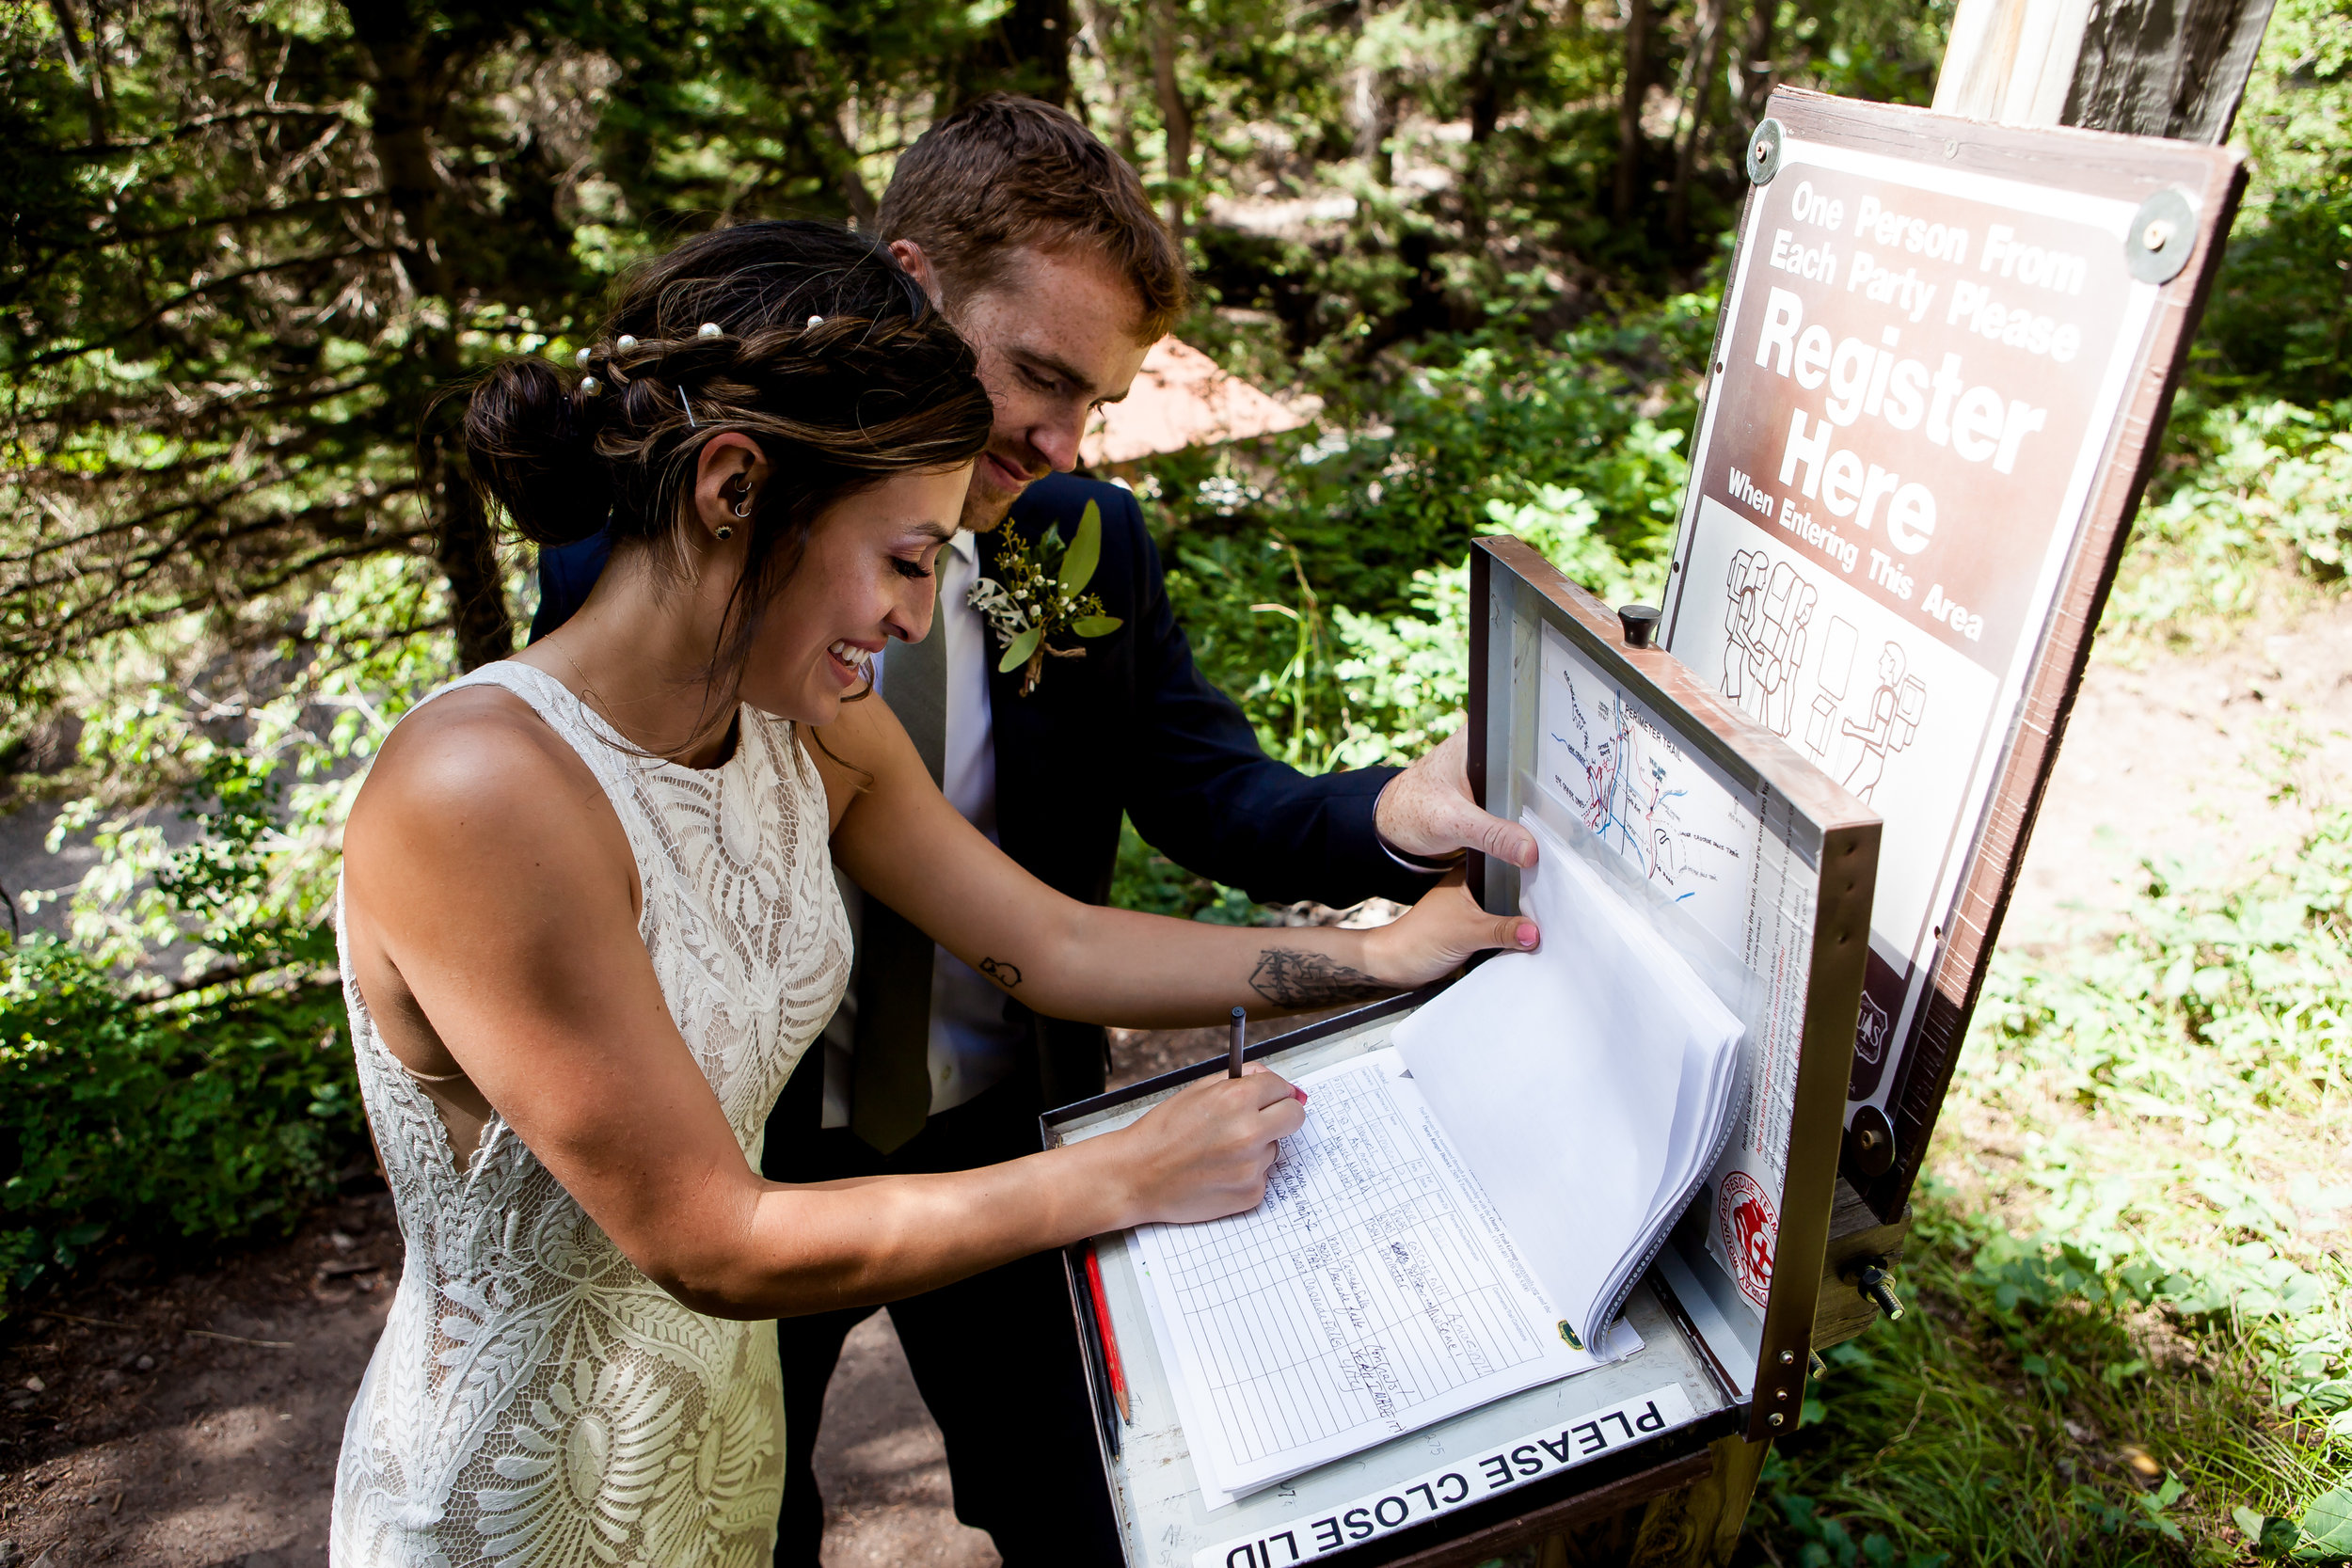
864,745
479,764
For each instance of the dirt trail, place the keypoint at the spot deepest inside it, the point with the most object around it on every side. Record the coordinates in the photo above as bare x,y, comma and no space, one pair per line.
195,1425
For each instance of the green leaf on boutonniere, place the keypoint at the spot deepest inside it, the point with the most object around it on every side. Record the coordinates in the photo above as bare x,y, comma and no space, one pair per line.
1018,652
1086,551
1097,626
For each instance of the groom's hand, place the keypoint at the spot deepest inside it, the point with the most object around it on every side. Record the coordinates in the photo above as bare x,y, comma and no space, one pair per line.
1426,811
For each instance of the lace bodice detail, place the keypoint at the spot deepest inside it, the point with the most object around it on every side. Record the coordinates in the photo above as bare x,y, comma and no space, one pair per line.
535,1400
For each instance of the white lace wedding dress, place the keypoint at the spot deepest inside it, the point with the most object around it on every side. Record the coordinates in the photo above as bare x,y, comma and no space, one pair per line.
535,1400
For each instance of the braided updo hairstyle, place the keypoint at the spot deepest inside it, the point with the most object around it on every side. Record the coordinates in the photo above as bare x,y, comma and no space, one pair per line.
828,357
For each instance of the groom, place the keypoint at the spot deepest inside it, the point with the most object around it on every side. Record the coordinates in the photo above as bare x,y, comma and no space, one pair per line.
1042,248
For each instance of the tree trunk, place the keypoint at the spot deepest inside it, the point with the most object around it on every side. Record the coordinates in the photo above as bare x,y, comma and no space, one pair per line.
409,74
1489,94
2147,68
1753,74
841,153
1026,52
1637,51
1175,114
1102,25
1705,48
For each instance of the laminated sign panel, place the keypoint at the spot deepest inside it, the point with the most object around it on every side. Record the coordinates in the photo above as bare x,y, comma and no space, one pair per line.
1943,356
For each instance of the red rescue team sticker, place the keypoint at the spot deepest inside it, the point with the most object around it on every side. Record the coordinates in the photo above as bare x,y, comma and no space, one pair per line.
1746,1224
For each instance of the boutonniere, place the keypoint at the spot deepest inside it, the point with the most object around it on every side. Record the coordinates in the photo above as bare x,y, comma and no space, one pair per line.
1038,593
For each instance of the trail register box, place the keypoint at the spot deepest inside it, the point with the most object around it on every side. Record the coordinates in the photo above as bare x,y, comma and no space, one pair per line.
1372,1366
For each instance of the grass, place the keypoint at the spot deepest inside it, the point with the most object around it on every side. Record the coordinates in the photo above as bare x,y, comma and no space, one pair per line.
2131,1340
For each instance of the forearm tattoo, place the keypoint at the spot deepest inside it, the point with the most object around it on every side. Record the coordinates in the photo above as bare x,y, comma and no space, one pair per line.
1002,973
1289,978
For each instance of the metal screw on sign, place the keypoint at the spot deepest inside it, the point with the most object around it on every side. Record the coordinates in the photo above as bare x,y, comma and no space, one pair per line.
1764,153
2162,235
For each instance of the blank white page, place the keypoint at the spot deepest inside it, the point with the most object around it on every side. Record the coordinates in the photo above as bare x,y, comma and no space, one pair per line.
1558,1074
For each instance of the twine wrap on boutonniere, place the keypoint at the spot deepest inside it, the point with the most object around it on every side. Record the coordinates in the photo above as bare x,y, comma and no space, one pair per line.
1039,593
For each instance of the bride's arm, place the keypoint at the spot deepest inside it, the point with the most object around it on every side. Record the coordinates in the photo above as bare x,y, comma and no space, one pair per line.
491,908
901,841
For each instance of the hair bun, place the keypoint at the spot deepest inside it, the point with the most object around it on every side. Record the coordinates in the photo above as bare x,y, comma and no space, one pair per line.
534,454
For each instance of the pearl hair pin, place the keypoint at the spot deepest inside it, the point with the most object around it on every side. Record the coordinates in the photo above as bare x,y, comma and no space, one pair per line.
589,386
581,358
816,321
625,342
708,329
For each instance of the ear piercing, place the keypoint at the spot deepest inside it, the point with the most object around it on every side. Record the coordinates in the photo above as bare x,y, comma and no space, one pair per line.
724,532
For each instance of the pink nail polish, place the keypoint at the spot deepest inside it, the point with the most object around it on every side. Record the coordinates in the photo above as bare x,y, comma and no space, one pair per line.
1526,936
1300,1093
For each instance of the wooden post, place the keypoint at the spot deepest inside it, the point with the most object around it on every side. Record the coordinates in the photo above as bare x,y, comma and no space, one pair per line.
2146,68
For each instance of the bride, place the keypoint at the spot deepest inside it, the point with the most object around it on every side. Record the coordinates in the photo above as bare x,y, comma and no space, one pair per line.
589,923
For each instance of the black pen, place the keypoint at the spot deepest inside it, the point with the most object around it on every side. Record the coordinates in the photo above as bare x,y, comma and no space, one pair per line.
1232,1049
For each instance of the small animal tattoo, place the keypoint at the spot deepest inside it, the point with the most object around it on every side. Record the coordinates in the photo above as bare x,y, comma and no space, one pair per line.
1002,973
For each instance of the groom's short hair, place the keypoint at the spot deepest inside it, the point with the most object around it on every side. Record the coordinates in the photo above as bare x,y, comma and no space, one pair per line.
1004,172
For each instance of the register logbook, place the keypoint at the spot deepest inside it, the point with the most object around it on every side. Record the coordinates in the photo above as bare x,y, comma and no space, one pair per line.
1464,1213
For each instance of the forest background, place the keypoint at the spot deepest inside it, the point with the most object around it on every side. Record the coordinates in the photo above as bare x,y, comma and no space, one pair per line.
242,247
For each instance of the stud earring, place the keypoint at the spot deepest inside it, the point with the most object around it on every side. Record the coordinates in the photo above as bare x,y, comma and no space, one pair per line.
724,533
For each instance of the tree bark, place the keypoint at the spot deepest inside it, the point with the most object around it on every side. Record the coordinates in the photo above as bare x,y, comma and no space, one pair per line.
1637,50
1027,51
2148,70
1706,48
1175,114
1490,92
2148,67
1754,82
410,67
841,154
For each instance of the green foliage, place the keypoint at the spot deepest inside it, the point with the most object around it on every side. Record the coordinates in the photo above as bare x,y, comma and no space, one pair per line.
2223,1010
166,1117
124,1122
2280,322
2252,487
1149,881
2144,1287
2014,1416
1489,432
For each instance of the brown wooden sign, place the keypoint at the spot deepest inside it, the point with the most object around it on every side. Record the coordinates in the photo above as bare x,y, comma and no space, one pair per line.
1944,354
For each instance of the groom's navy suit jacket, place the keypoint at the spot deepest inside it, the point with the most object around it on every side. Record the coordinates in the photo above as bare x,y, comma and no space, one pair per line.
1132,727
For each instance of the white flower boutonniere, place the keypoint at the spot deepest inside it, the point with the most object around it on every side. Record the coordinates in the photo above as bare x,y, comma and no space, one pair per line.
1040,594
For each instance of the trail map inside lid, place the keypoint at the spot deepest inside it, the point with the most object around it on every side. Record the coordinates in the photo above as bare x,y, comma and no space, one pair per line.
1707,847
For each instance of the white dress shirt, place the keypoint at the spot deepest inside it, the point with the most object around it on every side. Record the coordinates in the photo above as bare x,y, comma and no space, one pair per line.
974,1046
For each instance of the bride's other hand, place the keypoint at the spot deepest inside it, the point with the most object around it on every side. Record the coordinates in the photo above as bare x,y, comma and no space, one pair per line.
1203,1152
1437,936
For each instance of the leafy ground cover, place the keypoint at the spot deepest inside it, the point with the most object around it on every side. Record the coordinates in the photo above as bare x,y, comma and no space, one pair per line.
2132,1329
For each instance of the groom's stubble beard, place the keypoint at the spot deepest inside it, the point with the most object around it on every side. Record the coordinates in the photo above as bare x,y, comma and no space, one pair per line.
985,505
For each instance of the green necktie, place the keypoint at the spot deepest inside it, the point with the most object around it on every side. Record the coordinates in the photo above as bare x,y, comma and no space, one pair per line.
890,1093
